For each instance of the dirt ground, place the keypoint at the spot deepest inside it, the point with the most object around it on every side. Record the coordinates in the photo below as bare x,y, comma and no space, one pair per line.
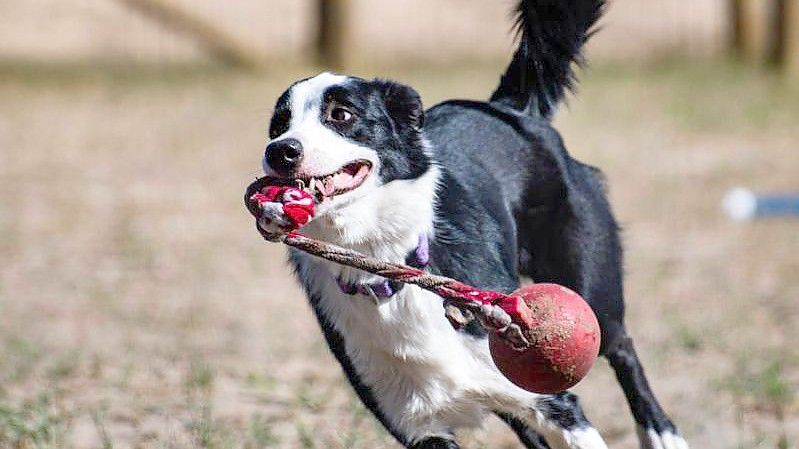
140,309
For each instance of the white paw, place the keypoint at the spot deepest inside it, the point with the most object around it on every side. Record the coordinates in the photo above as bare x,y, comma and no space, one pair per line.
587,438
652,439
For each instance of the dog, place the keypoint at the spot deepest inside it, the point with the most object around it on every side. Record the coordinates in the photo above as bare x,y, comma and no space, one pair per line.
483,192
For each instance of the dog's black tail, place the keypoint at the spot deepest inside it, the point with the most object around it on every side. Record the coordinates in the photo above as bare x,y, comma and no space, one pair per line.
551,36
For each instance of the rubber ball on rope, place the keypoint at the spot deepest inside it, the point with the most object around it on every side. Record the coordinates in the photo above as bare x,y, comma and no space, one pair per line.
564,334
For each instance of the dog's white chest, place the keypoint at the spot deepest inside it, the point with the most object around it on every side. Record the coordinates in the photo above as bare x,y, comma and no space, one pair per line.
420,370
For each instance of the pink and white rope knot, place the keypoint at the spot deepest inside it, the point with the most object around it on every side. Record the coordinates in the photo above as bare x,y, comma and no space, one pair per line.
287,207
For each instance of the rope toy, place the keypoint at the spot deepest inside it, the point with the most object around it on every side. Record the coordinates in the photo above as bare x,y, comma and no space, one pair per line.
543,337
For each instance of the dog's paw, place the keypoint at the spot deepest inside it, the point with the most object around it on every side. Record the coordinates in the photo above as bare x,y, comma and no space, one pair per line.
666,439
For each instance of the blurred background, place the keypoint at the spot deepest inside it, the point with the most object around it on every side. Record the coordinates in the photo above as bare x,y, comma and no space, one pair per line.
140,309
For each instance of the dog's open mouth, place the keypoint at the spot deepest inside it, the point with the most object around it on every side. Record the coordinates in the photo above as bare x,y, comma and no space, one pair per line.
326,187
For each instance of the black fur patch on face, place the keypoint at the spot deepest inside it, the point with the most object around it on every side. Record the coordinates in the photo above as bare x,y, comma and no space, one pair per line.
386,117
281,117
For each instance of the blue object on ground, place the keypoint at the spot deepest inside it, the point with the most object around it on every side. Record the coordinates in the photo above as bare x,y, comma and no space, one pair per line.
743,204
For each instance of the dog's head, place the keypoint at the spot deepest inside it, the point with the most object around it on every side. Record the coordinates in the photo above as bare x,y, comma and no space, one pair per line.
346,137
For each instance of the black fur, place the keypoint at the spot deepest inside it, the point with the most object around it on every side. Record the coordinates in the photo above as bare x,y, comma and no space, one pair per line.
564,409
436,443
552,34
389,120
527,437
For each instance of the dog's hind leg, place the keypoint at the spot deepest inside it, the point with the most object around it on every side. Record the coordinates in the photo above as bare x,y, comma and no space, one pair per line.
571,238
655,429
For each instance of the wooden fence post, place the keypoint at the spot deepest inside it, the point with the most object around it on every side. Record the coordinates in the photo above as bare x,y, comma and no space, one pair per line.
791,43
333,32
765,31
776,34
737,27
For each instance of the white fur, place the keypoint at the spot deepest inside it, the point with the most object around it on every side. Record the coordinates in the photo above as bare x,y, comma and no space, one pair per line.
427,378
651,439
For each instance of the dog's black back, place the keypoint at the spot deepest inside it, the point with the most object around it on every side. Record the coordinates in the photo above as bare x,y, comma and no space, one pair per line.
530,200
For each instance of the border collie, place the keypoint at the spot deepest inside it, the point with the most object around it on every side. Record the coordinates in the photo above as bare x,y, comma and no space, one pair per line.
479,191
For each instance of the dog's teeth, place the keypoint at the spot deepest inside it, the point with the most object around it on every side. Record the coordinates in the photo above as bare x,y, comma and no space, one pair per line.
330,186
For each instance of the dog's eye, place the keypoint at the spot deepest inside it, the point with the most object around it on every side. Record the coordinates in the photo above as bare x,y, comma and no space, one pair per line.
340,114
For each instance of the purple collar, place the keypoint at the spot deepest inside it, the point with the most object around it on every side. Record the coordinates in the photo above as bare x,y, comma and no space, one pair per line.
418,258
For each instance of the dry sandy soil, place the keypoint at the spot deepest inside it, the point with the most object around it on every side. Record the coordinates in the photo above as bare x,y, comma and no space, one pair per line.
140,309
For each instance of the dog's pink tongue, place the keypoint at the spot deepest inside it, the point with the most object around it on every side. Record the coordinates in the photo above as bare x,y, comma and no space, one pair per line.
350,177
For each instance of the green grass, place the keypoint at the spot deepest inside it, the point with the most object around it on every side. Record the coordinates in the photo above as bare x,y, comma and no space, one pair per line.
19,358
761,383
36,424
261,434
717,95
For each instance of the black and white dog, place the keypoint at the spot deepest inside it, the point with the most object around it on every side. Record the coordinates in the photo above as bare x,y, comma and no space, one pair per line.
479,191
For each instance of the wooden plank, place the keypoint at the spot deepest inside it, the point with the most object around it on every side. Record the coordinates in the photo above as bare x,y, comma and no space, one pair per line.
216,42
776,33
749,26
737,27
333,33
791,49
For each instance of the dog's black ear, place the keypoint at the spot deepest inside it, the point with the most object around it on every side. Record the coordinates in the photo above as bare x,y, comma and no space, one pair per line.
403,104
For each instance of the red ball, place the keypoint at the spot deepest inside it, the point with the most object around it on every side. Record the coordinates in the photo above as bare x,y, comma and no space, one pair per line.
564,336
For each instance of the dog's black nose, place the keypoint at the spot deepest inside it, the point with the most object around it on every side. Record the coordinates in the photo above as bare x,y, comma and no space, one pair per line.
284,156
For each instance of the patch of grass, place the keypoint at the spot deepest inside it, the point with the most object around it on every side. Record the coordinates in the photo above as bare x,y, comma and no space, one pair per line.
199,384
688,339
64,366
707,95
351,437
261,382
200,377
98,418
760,383
306,437
36,424
261,435
733,96
117,72
19,359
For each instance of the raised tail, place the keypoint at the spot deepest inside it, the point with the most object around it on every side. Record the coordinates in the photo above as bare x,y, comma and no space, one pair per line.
551,36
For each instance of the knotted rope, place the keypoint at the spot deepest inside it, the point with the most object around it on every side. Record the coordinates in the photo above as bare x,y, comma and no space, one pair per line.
463,302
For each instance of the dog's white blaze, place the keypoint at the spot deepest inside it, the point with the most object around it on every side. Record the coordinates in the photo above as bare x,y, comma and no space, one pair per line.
324,151
306,96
